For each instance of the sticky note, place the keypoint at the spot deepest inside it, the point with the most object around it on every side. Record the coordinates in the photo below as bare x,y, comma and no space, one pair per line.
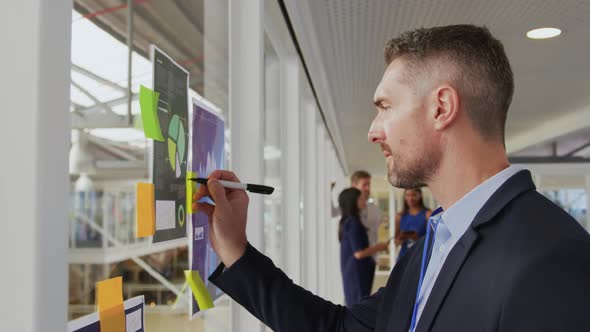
113,319
109,298
191,187
145,214
148,102
199,289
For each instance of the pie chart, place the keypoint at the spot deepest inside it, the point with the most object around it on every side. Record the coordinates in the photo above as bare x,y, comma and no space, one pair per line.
176,144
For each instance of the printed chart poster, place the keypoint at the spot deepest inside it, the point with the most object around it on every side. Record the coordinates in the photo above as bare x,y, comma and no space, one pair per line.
134,318
170,156
208,154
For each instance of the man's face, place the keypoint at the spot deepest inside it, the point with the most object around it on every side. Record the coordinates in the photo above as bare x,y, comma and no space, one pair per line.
364,185
402,129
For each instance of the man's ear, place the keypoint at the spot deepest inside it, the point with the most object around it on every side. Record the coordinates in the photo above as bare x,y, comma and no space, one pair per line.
446,103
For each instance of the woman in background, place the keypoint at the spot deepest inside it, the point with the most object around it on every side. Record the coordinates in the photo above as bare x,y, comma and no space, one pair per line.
356,261
410,224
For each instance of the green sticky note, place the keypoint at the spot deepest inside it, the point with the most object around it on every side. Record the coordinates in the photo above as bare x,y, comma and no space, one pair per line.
199,289
148,102
191,187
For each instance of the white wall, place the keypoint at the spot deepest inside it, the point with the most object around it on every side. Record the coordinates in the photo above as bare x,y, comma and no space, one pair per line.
34,137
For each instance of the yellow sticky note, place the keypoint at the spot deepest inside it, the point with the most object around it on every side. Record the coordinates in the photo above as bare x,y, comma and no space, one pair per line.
191,187
145,210
109,298
148,102
199,289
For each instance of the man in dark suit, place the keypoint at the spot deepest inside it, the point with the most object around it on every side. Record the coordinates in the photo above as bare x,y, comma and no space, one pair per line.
500,257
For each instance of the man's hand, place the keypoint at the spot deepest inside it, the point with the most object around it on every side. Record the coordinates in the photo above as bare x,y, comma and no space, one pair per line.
227,219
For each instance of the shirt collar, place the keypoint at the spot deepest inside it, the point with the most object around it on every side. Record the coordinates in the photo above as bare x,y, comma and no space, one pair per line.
460,215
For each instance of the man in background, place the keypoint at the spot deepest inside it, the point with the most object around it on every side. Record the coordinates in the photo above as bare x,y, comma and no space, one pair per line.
371,216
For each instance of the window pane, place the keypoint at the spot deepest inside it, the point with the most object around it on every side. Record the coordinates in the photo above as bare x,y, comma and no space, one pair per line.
110,153
573,200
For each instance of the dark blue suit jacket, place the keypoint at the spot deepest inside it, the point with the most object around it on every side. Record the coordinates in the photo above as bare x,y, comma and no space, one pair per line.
523,265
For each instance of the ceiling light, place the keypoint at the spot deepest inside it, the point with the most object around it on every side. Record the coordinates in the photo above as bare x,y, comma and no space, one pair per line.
543,33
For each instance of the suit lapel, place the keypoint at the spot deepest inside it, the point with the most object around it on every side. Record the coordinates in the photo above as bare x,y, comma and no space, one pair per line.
512,188
445,279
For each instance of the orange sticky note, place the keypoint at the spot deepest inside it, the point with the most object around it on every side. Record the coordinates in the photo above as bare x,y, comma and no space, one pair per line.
113,319
145,210
109,298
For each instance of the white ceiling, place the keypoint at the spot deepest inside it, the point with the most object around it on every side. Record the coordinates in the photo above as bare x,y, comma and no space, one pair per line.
342,43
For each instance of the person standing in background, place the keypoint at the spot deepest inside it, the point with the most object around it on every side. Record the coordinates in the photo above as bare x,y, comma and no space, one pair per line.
356,263
370,215
410,224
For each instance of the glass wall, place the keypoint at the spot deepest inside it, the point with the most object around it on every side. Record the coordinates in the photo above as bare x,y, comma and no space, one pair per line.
110,60
110,154
573,200
571,192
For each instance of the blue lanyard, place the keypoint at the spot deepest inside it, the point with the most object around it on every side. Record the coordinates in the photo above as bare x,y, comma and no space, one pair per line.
422,272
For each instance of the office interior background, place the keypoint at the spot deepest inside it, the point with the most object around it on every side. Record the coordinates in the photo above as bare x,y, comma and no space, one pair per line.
293,80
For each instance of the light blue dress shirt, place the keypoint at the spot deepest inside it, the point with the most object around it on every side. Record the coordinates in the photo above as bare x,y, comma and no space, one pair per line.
452,224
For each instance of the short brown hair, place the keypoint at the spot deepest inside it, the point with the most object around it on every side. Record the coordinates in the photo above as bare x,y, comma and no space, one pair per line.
358,175
484,77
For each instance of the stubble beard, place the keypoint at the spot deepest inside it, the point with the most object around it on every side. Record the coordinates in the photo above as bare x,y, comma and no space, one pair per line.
408,173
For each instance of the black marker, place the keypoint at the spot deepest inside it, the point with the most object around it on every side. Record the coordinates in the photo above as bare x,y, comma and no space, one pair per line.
253,188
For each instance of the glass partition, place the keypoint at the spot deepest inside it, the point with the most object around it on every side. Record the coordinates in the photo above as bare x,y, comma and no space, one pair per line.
109,154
